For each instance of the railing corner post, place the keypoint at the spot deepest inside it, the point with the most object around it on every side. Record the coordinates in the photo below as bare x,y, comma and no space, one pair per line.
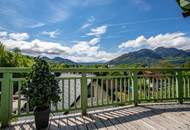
6,99
179,84
84,91
135,88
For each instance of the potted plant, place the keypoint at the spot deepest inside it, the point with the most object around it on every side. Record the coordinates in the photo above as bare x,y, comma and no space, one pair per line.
41,89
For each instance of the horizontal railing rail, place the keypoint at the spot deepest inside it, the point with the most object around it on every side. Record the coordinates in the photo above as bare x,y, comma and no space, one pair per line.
82,89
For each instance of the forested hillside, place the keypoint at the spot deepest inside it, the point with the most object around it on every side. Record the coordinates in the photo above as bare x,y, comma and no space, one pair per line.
14,58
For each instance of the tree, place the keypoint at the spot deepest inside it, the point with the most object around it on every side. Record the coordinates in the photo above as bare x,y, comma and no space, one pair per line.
14,58
185,6
3,54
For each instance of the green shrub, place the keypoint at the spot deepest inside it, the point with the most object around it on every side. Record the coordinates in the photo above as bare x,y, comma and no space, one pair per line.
41,87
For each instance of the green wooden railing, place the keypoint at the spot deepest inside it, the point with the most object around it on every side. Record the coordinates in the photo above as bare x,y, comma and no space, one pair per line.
82,89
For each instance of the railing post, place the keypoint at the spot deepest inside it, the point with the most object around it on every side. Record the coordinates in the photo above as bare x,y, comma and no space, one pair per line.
6,99
135,88
84,94
179,88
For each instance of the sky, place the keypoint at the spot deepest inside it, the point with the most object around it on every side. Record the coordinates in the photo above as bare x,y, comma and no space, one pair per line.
91,30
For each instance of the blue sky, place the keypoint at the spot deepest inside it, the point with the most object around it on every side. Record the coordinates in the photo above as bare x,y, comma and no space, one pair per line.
91,30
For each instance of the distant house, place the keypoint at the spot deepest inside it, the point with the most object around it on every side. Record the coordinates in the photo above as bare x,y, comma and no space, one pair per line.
111,66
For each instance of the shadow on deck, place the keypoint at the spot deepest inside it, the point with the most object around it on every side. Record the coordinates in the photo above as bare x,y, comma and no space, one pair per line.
153,117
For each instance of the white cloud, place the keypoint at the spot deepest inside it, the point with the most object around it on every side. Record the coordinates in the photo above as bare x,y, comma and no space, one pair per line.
19,36
3,34
88,23
52,34
97,31
177,40
94,41
37,25
81,51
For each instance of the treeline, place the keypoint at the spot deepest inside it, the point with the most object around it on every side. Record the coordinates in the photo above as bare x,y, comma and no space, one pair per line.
160,64
14,58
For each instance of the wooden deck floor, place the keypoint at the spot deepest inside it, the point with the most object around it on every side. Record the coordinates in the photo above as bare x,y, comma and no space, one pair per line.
144,117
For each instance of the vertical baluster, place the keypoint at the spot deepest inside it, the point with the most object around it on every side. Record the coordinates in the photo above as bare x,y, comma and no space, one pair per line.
171,92
116,89
63,94
69,94
75,89
91,91
167,95
173,87
184,87
97,85
153,87
144,82
102,89
161,85
141,84
120,87
111,91
125,89
84,91
128,82
19,97
139,88
107,91
165,87
169,87
56,105
157,88
179,84
135,88
148,88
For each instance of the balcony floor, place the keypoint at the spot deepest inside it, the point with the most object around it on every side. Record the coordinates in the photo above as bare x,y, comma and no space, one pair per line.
144,117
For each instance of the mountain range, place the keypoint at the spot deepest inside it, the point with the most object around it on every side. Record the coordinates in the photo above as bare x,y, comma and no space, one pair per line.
143,56
59,60
148,56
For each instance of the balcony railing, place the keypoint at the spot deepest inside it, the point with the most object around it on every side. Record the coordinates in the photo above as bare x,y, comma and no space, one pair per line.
82,89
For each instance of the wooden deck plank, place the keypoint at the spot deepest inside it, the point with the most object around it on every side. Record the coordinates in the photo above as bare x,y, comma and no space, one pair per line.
165,122
89,122
151,117
80,123
107,123
114,119
183,115
170,121
123,121
98,123
132,114
176,119
147,123
130,120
